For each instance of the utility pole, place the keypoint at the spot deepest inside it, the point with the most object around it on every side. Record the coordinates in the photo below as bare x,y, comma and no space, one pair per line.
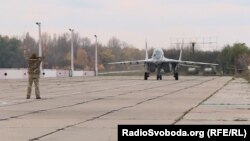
96,63
40,43
72,52
193,44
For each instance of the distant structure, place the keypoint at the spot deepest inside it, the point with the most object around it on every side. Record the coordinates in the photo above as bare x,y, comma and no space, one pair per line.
208,43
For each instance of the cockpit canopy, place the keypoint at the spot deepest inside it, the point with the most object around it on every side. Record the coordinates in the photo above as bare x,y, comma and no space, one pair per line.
157,54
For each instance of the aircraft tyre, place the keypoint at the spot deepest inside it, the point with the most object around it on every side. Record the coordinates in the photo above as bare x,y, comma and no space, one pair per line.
146,76
176,76
159,77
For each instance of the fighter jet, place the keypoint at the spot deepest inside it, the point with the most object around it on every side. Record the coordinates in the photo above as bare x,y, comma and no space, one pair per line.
158,62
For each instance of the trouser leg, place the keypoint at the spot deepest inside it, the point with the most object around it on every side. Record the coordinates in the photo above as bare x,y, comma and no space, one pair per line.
30,81
37,91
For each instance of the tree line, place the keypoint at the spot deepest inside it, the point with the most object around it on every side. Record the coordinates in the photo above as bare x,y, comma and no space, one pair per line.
14,53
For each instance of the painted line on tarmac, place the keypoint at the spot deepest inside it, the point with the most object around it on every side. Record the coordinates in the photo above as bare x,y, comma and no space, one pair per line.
188,111
3,103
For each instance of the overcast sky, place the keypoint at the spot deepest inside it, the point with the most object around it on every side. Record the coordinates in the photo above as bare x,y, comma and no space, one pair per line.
133,21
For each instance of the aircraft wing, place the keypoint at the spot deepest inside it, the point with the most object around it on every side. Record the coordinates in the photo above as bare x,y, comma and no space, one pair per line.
132,62
197,63
180,62
118,72
190,65
165,60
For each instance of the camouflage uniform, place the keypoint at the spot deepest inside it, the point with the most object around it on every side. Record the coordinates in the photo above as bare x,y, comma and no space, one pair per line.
34,75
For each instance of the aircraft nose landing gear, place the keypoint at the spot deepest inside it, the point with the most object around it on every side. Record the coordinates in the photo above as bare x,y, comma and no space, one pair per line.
159,77
146,75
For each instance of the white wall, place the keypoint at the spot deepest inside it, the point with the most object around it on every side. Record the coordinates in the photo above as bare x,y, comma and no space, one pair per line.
83,73
62,73
49,73
78,73
1,74
22,73
88,73
13,73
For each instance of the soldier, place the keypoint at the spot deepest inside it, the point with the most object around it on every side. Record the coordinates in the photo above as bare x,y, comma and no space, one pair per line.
34,74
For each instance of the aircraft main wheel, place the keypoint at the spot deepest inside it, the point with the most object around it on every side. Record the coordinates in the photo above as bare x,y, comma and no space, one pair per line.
176,76
145,76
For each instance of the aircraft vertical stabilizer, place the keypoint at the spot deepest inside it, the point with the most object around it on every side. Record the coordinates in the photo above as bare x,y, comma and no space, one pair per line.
181,50
180,55
146,51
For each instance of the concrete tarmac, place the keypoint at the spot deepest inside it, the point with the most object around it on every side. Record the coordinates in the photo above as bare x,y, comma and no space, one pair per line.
90,108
